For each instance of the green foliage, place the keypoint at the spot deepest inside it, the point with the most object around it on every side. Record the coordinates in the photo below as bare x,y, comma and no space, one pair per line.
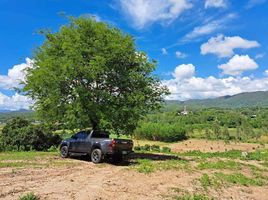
20,134
161,132
29,196
91,74
166,150
154,148
247,124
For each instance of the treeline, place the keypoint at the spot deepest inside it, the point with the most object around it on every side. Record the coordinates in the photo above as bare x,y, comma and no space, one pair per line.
210,123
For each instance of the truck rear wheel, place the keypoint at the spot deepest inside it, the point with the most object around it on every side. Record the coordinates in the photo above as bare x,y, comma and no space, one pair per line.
96,156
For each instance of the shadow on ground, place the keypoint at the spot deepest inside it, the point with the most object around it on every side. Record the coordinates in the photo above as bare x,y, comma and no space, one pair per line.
132,159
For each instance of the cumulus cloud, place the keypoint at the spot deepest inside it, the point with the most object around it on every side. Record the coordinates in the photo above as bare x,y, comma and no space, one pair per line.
164,51
209,27
15,102
266,72
180,54
184,71
238,64
223,46
144,12
215,3
15,75
192,87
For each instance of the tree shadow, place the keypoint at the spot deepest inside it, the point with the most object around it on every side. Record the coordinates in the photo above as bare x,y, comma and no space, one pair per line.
133,158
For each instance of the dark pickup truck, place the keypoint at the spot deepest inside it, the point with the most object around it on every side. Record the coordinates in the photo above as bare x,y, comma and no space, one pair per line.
97,145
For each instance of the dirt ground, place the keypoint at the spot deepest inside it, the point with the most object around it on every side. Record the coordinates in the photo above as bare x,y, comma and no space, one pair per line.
213,146
83,180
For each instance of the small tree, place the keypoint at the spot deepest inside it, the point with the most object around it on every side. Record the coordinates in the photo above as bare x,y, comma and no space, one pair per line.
91,74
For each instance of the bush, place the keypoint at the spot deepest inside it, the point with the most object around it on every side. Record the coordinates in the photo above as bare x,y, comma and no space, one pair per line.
155,148
29,196
19,134
166,149
161,132
137,148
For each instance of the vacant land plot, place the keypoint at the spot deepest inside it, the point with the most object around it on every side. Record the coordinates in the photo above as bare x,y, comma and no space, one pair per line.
189,174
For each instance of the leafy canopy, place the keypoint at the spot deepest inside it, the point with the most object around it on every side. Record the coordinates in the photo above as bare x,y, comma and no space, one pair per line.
89,74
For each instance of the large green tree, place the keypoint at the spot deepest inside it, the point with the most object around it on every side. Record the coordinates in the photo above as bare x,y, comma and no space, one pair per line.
89,74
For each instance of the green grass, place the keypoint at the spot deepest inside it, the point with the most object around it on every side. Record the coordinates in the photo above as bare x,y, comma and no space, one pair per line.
148,166
218,179
239,179
32,159
229,164
25,155
260,155
29,196
192,197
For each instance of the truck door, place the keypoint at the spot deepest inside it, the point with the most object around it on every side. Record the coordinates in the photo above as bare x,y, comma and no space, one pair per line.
81,143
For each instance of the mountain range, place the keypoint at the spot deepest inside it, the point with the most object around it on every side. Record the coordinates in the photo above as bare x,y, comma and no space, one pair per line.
247,99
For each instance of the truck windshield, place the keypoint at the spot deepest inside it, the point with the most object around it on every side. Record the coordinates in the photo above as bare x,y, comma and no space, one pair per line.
100,134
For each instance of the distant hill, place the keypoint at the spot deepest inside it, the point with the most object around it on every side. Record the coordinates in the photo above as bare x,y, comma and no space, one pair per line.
5,115
248,99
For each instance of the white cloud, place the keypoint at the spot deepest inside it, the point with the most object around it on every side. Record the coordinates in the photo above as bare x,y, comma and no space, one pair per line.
252,3
209,27
15,102
15,75
194,87
260,55
144,12
266,72
215,3
184,71
164,51
238,64
224,46
180,54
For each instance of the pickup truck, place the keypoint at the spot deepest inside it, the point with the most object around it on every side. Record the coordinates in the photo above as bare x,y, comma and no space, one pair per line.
97,145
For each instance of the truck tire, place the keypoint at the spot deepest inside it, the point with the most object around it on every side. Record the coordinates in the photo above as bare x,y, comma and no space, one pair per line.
96,156
64,152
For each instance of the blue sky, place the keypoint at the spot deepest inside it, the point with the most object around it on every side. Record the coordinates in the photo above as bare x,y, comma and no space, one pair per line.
204,48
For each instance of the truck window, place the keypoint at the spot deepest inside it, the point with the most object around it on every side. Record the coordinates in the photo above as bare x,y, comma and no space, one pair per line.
81,135
100,134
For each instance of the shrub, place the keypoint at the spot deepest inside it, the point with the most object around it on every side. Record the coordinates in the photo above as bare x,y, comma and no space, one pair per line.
155,148
161,132
19,134
29,196
137,148
166,149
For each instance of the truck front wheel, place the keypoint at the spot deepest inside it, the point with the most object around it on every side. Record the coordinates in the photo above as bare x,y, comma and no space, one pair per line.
64,152
96,156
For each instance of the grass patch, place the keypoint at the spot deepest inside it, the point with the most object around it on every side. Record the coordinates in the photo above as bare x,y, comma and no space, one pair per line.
192,197
29,196
220,165
239,179
148,166
260,155
25,155
206,181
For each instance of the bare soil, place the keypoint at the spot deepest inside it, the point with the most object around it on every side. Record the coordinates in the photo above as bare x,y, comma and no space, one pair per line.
83,180
213,146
